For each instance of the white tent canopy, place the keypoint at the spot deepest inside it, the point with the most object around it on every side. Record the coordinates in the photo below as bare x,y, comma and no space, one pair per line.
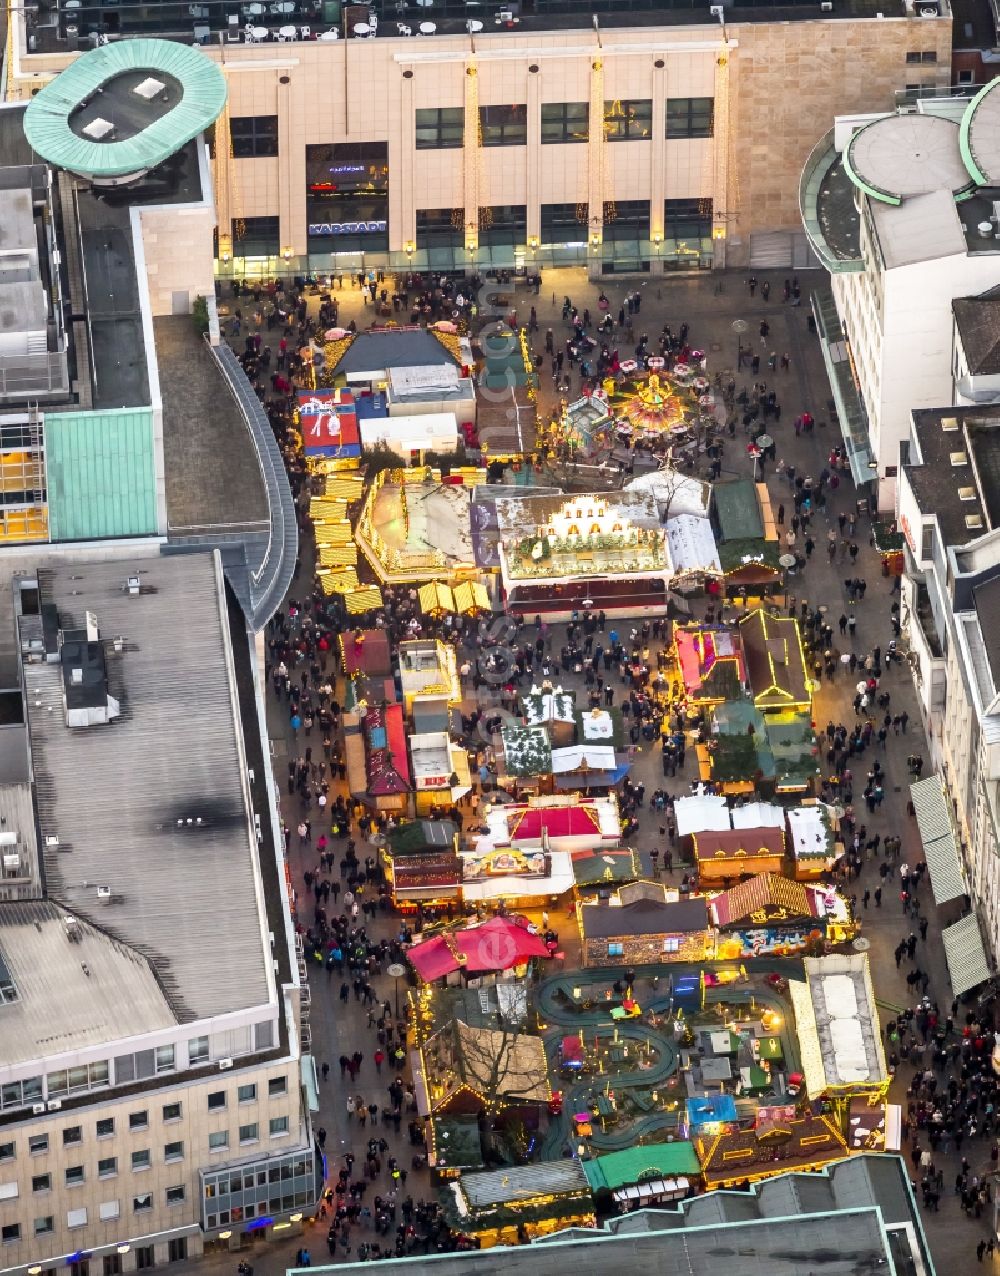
692,545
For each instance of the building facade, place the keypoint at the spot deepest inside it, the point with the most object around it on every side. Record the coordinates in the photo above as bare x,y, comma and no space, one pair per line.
619,141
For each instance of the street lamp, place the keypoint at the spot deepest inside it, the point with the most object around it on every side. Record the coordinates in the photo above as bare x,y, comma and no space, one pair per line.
397,970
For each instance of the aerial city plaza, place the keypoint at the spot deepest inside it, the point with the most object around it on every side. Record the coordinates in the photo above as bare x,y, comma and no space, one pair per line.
499,637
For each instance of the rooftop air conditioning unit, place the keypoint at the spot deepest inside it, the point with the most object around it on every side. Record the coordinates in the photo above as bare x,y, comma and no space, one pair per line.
716,10
11,862
928,11
826,6
224,1064
132,585
104,894
37,1108
54,1105
8,839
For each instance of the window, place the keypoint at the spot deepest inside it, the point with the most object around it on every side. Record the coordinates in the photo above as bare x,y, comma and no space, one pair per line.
44,1225
171,1112
107,1168
440,227
175,1195
142,1202
249,1133
255,237
41,1182
626,221
218,1141
109,1210
263,1035
276,1086
966,77
926,542
77,1218
177,1249
111,1265
671,944
564,223
247,1093
687,219
71,1135
173,1151
8,1151
615,950
626,121
106,1128
20,1094
502,225
217,1101
198,1050
10,1233
144,1257
165,1059
143,1064
690,117
138,1120
927,57
74,1175
503,125
38,1143
8,1191
565,122
91,1076
254,136
279,1126
142,1160
440,128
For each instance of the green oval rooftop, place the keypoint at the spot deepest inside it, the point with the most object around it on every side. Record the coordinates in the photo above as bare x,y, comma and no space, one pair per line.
125,107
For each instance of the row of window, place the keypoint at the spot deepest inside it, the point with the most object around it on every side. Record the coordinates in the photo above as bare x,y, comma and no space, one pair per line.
443,127
217,1101
141,1065
10,1233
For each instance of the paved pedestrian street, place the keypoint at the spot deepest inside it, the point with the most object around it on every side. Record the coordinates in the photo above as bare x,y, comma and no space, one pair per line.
370,1029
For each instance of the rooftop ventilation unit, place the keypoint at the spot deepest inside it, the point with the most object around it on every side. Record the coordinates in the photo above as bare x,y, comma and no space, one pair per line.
104,894
966,493
958,458
973,521
949,424
224,1064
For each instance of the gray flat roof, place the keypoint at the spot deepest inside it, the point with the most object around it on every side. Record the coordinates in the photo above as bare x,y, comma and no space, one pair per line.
922,228
118,796
900,156
71,994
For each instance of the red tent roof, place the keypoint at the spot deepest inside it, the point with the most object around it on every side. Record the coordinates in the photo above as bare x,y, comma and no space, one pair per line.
558,821
496,945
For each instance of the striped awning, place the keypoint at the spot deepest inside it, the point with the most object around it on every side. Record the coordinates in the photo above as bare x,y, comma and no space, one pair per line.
435,598
471,596
940,842
965,954
367,598
345,487
338,555
338,582
327,509
340,533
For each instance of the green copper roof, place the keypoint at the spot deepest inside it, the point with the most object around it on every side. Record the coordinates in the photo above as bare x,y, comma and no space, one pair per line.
977,135
47,119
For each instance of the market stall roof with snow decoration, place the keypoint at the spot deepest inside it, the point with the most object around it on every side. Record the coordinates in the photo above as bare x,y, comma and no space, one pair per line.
837,1023
811,829
497,945
527,751
674,491
543,705
692,545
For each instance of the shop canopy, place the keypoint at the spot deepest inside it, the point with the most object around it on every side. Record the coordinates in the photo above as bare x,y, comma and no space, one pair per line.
496,945
965,954
937,833
646,1164
436,598
471,596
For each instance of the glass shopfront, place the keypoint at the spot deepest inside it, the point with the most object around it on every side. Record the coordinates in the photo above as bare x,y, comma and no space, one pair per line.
347,200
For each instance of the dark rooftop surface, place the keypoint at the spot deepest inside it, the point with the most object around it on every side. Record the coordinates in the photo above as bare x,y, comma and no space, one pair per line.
370,351
972,25
119,103
987,603
838,212
162,18
175,181
937,481
645,917
978,321
14,148
214,481
120,375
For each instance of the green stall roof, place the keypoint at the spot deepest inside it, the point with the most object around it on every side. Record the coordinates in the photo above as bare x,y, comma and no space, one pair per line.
634,1165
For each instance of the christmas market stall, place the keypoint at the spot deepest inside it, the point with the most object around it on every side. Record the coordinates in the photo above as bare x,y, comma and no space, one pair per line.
711,663
814,831
781,1139
776,666
838,1028
422,864
749,548
725,855
476,951
650,1174
644,923
772,916
378,768
512,1206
